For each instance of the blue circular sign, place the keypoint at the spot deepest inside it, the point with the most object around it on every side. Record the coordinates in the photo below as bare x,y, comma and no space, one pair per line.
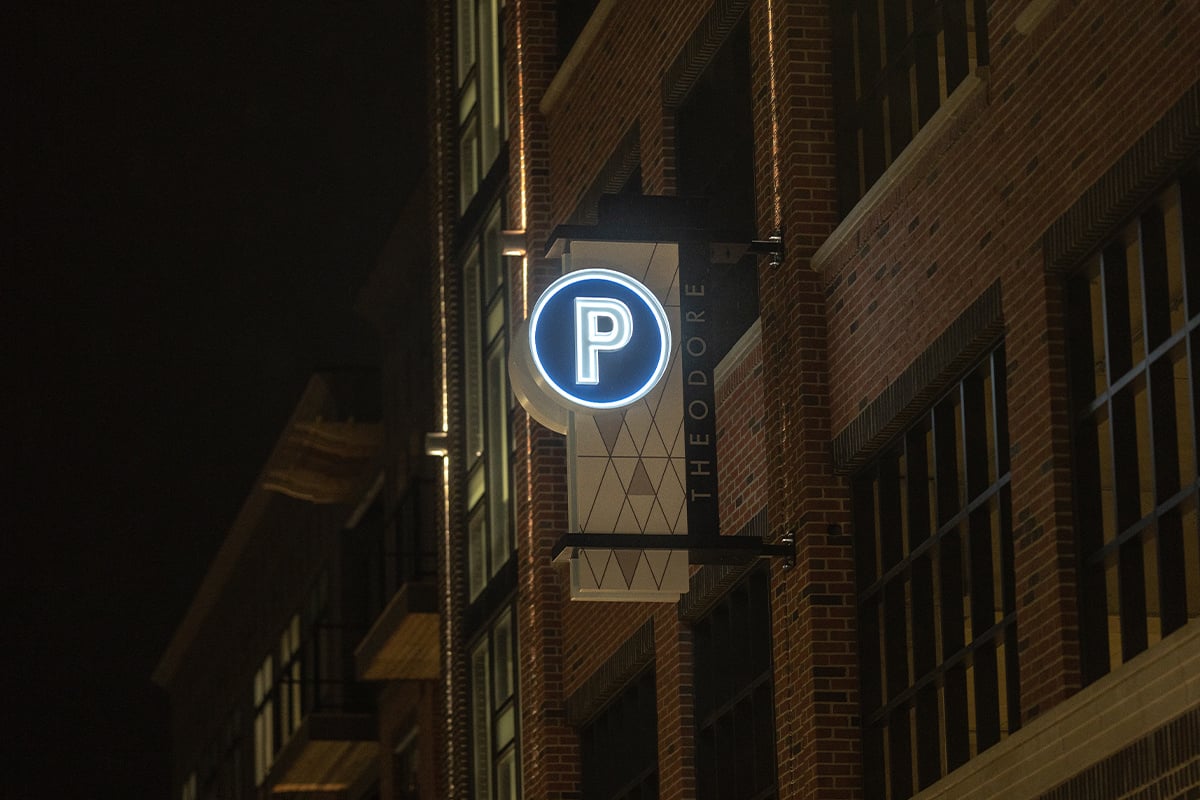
599,338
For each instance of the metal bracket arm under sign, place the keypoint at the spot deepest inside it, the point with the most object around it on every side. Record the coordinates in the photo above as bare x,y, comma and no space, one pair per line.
700,549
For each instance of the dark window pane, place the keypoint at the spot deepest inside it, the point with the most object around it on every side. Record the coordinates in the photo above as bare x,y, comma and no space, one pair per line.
619,747
735,718
1133,389
894,65
938,671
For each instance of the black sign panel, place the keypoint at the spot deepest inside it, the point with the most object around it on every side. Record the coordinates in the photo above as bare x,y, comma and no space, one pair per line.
698,358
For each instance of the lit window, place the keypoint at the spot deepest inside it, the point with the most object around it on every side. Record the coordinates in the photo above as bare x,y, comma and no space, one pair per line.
264,719
895,64
489,528
189,788
936,594
1134,337
482,120
494,713
290,687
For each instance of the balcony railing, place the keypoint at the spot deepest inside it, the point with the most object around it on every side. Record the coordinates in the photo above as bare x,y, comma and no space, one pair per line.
402,643
325,731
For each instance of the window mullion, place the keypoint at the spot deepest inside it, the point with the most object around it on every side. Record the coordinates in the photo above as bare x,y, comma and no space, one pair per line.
946,428
982,588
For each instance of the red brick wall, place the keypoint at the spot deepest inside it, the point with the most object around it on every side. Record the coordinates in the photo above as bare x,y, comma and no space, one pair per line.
813,611
741,441
453,696
403,704
549,747
1062,105
617,84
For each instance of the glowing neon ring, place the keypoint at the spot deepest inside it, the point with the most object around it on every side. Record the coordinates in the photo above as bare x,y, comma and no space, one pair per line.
651,305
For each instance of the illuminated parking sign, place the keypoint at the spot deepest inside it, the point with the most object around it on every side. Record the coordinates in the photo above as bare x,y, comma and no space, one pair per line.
599,338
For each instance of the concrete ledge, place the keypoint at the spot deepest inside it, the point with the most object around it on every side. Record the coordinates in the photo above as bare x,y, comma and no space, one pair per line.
587,38
914,162
733,359
1122,707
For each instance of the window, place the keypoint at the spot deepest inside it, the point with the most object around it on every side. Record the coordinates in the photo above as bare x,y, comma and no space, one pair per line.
278,700
1134,339
488,401
482,120
619,748
936,594
735,711
494,712
309,674
896,62
264,719
389,553
290,686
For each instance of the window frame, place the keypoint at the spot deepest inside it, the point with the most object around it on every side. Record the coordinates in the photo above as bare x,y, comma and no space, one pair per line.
720,713
924,50
629,729
264,719
488,402
479,95
495,718
1110,532
949,562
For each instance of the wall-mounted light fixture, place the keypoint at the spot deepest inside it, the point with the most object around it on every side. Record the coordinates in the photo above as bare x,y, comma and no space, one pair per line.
436,444
512,243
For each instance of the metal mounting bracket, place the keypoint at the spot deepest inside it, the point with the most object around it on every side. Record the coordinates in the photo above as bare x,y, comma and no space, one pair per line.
700,549
772,246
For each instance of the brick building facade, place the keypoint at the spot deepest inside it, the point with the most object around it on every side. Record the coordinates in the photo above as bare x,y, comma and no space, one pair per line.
968,387
943,175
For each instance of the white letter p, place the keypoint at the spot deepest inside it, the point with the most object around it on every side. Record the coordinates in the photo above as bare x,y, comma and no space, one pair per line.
590,340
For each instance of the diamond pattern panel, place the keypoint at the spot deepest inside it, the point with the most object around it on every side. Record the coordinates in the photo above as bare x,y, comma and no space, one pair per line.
626,468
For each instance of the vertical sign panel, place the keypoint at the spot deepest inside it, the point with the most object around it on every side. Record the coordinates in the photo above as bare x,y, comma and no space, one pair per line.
699,400
627,470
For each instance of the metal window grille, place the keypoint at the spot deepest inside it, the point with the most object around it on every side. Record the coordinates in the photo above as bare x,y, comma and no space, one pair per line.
896,62
397,550
936,611
1134,340
619,747
314,672
734,700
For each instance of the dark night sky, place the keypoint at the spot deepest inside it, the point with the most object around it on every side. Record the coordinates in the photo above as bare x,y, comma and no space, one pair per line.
193,195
